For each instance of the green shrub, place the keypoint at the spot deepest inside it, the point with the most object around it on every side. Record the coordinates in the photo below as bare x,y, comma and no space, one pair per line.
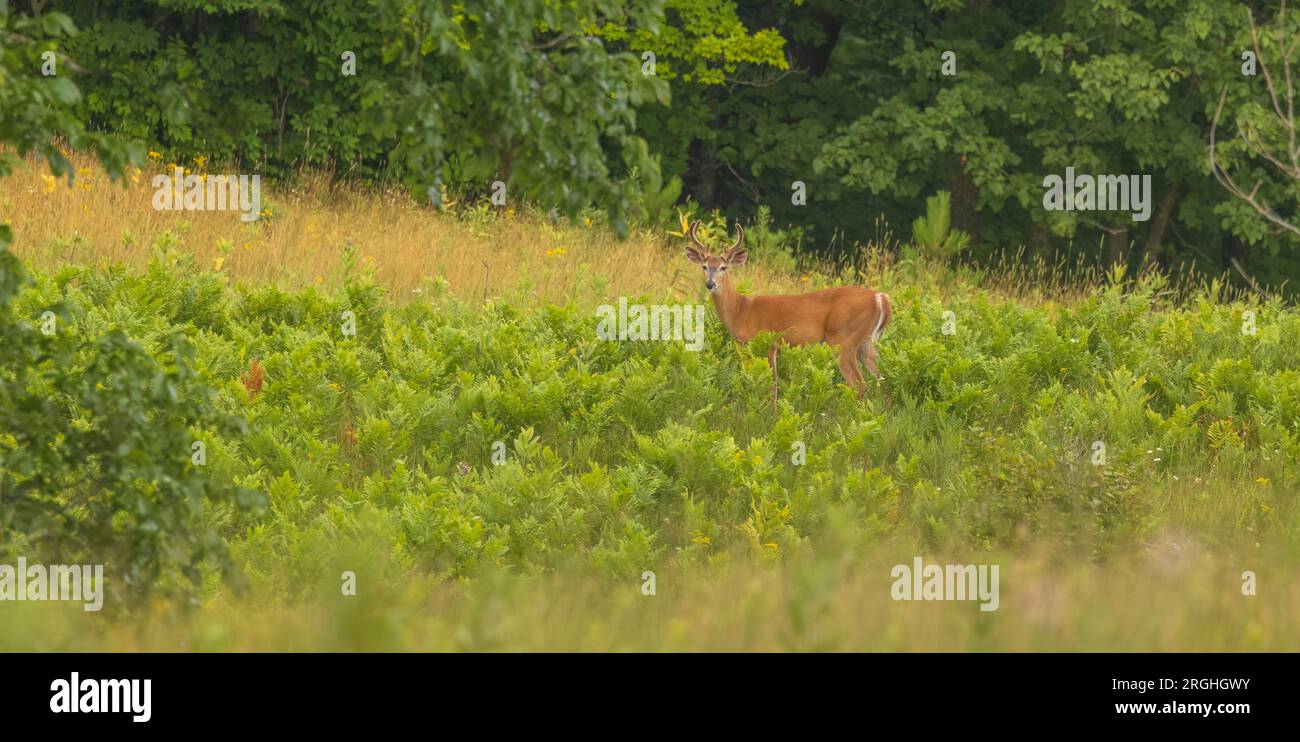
932,234
97,447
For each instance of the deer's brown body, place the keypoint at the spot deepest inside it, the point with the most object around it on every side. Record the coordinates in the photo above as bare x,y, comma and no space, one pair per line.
850,318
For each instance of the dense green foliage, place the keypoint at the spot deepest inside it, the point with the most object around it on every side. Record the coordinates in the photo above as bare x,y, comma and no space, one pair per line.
438,95
36,107
1104,87
621,457
97,439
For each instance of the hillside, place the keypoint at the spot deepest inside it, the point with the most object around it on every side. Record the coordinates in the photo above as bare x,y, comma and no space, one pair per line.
495,475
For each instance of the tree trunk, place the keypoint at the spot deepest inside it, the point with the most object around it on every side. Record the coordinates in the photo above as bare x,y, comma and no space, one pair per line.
1116,246
703,174
965,201
1157,233
1041,242
814,56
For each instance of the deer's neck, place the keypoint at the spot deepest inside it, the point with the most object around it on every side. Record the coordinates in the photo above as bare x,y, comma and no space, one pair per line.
730,305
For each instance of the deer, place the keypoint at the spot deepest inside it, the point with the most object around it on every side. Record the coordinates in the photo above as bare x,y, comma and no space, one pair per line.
850,318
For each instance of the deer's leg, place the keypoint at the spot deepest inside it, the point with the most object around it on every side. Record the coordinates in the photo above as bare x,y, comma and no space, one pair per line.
867,354
771,362
849,368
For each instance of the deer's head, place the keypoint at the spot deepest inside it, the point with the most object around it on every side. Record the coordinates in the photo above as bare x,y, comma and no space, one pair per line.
715,266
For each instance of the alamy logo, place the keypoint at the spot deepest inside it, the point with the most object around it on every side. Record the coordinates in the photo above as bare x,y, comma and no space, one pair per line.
1099,193
946,582
91,696
181,192
683,322
83,582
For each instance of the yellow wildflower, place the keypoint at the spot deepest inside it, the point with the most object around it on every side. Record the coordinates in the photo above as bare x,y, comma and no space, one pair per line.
683,225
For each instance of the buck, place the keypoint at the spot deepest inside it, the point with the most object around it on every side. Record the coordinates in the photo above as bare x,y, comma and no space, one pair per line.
849,318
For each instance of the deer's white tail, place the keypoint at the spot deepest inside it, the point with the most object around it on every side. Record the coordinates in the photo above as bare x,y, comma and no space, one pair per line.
884,311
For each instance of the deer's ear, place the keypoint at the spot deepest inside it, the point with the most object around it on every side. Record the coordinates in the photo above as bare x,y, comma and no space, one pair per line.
737,256
695,256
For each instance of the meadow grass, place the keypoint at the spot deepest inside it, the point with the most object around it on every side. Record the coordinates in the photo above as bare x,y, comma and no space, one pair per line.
309,230
1162,601
374,452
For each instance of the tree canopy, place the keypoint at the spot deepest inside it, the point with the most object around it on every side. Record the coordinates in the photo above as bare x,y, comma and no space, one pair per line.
863,109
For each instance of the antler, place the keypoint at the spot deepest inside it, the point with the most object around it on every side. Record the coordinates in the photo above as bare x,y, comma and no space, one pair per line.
695,235
740,237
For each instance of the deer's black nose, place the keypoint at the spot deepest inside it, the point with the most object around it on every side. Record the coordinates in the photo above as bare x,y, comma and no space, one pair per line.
710,285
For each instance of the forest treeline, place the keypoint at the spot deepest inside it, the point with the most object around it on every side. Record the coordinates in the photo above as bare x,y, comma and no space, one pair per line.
836,116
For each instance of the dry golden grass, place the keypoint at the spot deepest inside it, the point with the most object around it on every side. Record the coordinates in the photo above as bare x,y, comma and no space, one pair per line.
479,253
